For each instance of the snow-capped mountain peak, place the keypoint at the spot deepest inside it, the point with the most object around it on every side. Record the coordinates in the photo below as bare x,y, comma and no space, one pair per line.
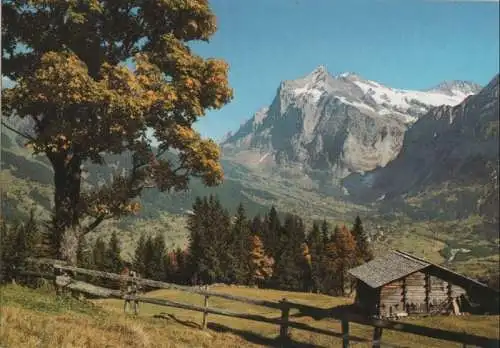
343,123
456,87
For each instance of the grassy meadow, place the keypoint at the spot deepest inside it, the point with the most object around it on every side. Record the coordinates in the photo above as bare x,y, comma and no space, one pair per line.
36,318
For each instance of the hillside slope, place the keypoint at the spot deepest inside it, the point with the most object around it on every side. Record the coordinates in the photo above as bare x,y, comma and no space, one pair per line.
34,318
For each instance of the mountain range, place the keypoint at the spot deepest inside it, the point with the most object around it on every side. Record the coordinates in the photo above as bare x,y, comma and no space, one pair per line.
334,147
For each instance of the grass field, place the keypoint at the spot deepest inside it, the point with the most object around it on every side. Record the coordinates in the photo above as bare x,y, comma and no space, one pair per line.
36,318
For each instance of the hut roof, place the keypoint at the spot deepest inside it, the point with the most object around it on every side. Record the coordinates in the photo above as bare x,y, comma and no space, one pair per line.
383,270
398,264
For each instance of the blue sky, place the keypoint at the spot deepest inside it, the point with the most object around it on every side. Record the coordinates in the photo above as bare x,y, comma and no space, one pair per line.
413,44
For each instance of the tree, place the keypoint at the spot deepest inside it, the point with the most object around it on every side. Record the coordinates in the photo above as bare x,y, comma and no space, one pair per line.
240,247
260,265
206,244
99,254
325,232
113,261
256,226
315,241
139,262
84,254
339,258
272,233
67,61
156,265
19,240
289,272
363,249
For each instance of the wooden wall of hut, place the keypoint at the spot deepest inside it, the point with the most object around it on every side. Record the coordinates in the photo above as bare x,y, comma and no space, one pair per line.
417,293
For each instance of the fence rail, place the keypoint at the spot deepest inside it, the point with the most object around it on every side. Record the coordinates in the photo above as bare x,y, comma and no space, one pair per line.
343,315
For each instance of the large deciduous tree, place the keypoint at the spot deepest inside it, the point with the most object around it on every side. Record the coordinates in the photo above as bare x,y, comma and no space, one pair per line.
94,76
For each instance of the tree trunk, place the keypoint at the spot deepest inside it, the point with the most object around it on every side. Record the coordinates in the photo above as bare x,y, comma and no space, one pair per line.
67,181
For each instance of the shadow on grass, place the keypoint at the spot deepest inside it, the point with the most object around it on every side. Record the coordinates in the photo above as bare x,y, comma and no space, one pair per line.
258,339
172,317
255,337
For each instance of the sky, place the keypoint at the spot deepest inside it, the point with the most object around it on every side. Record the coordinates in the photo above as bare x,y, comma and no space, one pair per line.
410,44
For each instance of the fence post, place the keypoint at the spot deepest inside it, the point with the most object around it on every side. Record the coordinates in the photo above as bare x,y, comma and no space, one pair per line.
345,333
285,312
205,313
377,337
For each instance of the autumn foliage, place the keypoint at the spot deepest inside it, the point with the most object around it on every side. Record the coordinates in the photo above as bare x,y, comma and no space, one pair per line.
94,76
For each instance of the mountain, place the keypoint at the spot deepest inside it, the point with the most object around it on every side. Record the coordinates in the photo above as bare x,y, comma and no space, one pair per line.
368,134
452,146
326,127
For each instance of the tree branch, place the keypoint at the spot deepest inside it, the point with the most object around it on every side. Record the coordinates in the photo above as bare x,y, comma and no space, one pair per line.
18,132
94,224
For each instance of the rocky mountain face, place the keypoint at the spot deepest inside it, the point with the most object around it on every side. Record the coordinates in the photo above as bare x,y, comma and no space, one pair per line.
334,125
453,145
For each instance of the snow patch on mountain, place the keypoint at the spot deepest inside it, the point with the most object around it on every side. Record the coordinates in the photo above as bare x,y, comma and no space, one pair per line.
403,99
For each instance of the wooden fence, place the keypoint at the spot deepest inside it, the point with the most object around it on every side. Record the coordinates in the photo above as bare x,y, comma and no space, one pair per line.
344,316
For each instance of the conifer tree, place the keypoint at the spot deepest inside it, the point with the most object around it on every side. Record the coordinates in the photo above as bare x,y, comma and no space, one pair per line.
221,239
271,236
289,269
85,254
363,248
181,258
139,262
156,258
317,249
99,254
205,241
113,261
256,227
19,241
325,232
240,247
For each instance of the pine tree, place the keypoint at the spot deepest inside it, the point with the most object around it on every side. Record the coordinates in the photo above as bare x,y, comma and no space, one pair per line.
84,254
139,262
256,227
325,232
19,241
289,269
221,238
207,236
317,247
272,233
260,265
156,265
363,248
181,258
99,254
239,247
113,262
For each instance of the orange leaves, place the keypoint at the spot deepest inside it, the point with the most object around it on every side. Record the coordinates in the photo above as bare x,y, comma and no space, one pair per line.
134,208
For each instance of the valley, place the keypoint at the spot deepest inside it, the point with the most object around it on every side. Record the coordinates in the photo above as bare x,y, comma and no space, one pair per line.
330,147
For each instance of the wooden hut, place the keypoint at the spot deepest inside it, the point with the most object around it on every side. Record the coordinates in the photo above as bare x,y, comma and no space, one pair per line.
400,284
